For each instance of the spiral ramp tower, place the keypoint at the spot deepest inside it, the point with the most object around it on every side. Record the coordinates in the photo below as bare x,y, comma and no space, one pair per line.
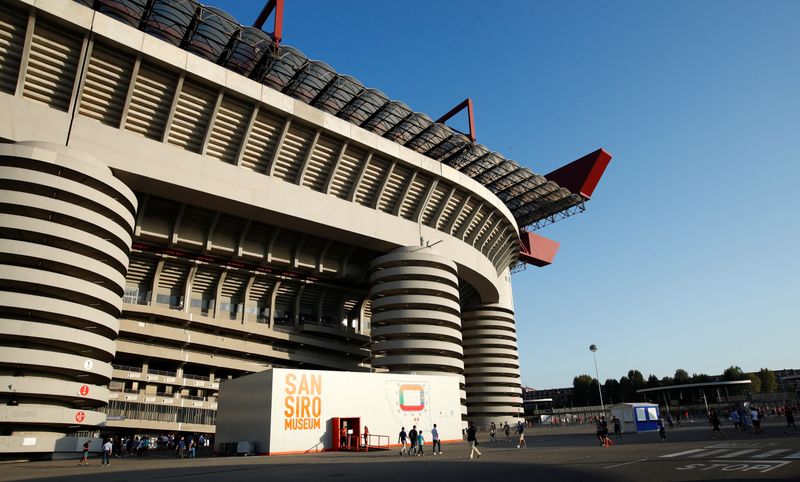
491,364
416,323
66,226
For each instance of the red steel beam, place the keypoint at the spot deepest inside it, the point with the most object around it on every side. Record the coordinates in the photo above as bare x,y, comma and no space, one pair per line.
277,6
455,110
536,250
581,176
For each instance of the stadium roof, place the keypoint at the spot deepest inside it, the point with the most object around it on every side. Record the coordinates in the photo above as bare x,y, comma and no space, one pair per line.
211,33
722,383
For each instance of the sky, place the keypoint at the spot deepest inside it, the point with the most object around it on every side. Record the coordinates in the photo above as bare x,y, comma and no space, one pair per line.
687,255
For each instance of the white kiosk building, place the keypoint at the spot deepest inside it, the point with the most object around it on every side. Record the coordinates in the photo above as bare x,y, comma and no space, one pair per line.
281,411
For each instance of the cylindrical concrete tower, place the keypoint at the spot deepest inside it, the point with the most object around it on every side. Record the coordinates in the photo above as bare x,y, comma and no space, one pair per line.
416,323
65,235
491,365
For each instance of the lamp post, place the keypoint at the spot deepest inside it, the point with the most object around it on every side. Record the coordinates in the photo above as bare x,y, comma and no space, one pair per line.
593,349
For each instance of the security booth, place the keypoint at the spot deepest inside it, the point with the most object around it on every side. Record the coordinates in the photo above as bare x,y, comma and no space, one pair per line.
345,433
636,417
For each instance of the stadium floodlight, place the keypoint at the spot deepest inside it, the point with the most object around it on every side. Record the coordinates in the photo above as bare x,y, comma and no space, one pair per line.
593,349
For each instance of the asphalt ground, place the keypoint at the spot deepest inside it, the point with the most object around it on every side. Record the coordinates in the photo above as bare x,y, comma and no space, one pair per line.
568,454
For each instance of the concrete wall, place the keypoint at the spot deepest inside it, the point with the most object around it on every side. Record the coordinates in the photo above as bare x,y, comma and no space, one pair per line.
245,411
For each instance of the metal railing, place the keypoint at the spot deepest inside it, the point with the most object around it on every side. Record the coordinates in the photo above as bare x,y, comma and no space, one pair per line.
374,441
189,376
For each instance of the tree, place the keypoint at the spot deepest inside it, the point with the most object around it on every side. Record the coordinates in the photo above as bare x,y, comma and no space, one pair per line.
652,381
626,391
700,378
594,392
768,382
582,385
637,380
681,377
611,388
734,373
755,382
667,381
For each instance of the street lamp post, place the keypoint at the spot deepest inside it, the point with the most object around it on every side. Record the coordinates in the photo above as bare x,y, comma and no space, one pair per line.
593,349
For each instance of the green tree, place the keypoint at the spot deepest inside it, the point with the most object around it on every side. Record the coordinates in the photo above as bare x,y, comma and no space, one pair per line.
637,380
755,382
581,385
611,389
700,378
626,391
667,381
734,373
681,377
768,382
652,381
594,392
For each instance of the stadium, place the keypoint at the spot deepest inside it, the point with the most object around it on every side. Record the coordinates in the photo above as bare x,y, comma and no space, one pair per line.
186,200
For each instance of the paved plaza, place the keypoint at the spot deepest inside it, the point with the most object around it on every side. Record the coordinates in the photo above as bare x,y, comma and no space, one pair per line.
562,454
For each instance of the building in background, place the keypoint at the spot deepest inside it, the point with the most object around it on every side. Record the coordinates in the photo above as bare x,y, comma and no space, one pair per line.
185,201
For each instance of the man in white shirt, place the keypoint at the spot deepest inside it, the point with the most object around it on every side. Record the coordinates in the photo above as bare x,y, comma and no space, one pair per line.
756,420
107,449
435,438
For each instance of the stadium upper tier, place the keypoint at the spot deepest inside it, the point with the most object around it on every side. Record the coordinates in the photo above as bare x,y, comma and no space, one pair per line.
216,36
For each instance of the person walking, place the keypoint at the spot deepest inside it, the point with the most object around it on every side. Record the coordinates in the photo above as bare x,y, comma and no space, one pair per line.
789,414
85,457
756,418
402,439
736,419
747,421
599,432
412,437
493,432
713,420
181,448
473,441
662,432
507,430
436,442
420,444
366,437
617,427
521,431
107,449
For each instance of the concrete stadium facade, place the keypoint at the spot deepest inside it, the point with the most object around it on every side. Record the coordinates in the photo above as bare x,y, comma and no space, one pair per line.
168,224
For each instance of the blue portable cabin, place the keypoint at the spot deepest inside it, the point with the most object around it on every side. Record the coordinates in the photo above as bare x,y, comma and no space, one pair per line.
636,417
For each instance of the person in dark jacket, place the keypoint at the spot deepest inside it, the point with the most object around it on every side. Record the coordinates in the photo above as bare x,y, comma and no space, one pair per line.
473,440
713,420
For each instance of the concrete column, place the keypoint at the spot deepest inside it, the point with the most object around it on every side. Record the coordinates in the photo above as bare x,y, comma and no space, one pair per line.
416,327
491,364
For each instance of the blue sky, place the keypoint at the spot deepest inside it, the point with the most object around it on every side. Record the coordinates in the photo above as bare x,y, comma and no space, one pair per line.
687,254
